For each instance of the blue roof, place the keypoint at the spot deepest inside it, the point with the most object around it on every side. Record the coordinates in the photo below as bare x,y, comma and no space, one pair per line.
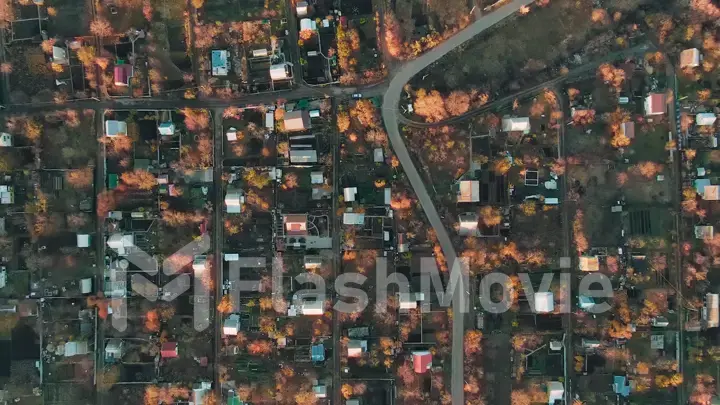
621,386
219,58
166,124
317,353
700,185
586,301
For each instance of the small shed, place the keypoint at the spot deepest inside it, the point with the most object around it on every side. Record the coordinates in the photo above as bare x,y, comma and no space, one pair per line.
589,263
166,128
349,194
312,307
378,155
122,74
356,348
512,124
231,134
655,104
298,120
690,58
231,326
301,8
422,361
83,240
169,350
468,191
114,349
705,119
115,128
6,140
544,302
317,353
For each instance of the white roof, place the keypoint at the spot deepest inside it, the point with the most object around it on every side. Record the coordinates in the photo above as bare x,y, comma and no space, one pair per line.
233,202
349,193
121,242
231,326
166,128
556,391
544,302
690,58
705,118
5,139
704,231
516,124
83,240
312,307
317,178
115,128
353,218
410,300
199,263
231,257
231,134
59,55
308,24
378,155
469,191
280,72
86,285
352,402
114,346
76,348
303,156
320,391
468,223
356,348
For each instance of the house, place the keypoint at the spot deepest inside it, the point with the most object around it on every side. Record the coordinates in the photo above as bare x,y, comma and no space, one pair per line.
76,348
312,307
169,350
121,243
298,120
422,361
513,124
410,300
705,232
585,302
355,348
555,391
231,326
353,218
307,24
705,118
231,134
711,310
690,58
6,140
303,156
655,104
301,8
468,191
312,262
378,155
589,263
627,129
281,71
320,391
317,353
60,55
199,392
122,74
234,201
219,62
469,222
544,302
166,128
317,178
296,224
83,240
349,194
706,190
114,349
115,128
199,263
621,385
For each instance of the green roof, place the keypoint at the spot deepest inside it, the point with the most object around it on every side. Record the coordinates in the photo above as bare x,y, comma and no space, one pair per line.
112,181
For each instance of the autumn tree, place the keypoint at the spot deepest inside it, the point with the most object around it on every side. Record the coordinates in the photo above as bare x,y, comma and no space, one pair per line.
457,103
80,178
256,178
343,121
490,216
101,27
105,203
139,179
430,105
225,306
260,347
473,340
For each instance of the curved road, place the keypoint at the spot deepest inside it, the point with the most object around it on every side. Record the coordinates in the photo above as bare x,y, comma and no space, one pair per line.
390,113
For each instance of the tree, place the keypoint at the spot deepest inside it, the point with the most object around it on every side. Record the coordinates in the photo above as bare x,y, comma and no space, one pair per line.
430,105
198,3
343,121
393,36
581,243
457,103
105,203
291,181
306,398
259,347
225,306
101,27
520,397
490,216
473,340
139,179
80,179
256,179
152,321
365,112
347,391
178,218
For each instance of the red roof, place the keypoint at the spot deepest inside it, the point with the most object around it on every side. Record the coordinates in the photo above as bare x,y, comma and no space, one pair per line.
656,104
122,74
422,361
169,350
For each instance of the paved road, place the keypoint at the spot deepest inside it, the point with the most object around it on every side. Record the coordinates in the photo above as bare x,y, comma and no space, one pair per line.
390,116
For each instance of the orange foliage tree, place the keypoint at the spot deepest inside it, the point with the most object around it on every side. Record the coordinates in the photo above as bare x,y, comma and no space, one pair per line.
140,179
